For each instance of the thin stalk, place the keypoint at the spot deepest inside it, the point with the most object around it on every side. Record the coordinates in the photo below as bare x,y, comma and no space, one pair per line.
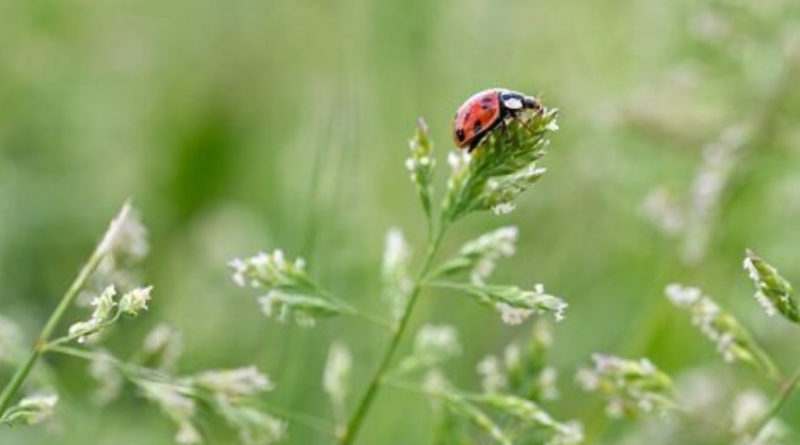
13,387
82,354
375,320
131,371
309,422
765,361
73,337
134,373
781,398
357,419
405,386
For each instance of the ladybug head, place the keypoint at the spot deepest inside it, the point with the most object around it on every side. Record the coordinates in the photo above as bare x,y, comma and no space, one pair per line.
531,103
515,101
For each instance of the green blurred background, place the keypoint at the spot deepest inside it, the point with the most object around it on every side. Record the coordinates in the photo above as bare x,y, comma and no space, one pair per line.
246,125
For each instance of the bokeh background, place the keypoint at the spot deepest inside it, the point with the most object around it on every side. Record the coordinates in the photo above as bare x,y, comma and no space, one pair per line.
246,125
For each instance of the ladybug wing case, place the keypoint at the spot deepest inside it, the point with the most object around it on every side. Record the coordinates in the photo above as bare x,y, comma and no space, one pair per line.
478,115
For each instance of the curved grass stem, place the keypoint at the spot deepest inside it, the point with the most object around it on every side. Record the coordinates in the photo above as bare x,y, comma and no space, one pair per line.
13,387
356,420
781,398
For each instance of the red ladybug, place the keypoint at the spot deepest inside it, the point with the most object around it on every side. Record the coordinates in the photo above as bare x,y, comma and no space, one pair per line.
484,111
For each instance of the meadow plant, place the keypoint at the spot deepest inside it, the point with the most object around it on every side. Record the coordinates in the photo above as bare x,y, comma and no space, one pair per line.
632,387
773,292
489,179
230,394
732,142
754,421
730,337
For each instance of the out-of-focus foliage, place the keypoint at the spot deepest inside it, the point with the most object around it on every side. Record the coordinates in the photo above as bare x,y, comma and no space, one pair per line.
243,125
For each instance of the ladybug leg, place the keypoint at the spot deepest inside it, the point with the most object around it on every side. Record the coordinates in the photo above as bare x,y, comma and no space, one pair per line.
474,144
504,127
526,125
539,111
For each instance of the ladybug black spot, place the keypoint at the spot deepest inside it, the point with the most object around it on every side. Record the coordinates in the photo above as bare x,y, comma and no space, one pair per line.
478,126
460,134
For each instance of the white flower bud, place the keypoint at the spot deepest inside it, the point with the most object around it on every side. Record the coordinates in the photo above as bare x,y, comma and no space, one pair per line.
104,304
135,301
30,410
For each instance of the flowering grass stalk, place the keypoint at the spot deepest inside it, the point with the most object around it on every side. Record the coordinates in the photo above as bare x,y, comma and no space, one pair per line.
776,295
230,394
773,292
290,292
354,424
504,166
632,387
733,153
125,232
732,339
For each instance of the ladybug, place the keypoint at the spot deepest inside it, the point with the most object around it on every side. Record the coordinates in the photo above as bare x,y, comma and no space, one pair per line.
484,111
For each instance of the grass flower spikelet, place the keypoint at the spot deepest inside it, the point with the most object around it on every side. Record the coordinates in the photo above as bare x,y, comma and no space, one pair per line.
630,387
732,340
773,292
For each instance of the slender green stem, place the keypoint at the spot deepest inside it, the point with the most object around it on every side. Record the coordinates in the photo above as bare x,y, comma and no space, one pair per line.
417,389
355,312
765,361
309,422
69,338
406,386
447,285
781,398
364,405
376,321
16,382
11,389
129,370
81,353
